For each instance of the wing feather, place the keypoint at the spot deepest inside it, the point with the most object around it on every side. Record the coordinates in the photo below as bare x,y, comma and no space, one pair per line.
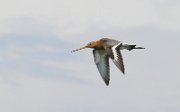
102,61
115,54
118,60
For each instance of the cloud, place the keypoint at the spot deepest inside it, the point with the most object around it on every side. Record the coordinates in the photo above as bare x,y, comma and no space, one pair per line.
70,18
25,93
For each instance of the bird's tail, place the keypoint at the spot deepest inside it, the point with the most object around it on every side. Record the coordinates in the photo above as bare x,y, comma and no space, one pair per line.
131,47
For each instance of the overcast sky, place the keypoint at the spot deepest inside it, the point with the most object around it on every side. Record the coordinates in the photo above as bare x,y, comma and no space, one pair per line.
39,74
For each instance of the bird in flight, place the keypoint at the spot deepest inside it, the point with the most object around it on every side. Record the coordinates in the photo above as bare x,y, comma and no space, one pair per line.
106,48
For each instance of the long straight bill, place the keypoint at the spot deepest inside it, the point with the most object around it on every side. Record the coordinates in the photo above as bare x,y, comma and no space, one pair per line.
78,49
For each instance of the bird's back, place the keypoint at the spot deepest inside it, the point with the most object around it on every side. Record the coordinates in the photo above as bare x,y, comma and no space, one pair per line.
109,42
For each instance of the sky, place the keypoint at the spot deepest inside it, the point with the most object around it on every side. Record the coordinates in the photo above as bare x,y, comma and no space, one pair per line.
38,73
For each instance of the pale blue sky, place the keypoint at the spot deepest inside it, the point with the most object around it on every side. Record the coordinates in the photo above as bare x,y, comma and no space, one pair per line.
39,74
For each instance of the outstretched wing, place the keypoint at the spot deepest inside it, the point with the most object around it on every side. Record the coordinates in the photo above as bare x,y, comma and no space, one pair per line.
102,61
115,54
118,60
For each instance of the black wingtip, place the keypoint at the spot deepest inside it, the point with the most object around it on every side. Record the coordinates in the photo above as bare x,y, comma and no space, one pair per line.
107,83
123,70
